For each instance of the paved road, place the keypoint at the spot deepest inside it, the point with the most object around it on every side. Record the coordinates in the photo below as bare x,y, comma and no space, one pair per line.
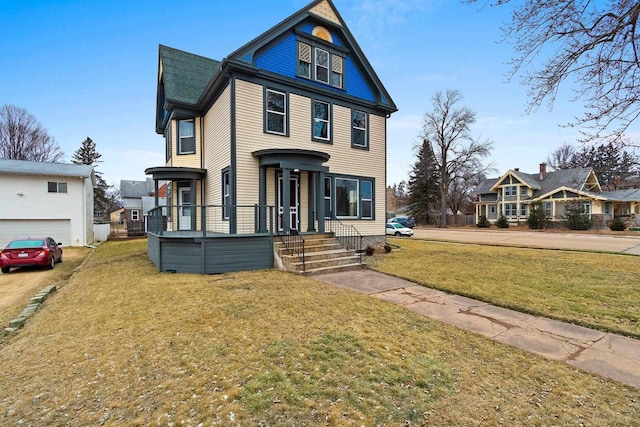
536,239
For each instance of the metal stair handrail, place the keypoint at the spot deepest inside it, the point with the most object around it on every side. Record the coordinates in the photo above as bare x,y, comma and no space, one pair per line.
294,243
347,234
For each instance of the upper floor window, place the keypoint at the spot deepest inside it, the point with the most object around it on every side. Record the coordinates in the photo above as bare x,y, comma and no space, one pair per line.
135,215
276,114
186,137
523,190
169,146
321,120
57,187
322,66
327,67
510,191
359,136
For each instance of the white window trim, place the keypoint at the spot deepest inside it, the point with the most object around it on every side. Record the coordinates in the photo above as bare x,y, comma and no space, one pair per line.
226,195
370,200
357,181
328,121
357,128
181,137
316,65
135,215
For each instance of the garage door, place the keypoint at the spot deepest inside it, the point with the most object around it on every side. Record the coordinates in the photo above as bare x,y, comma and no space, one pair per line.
58,229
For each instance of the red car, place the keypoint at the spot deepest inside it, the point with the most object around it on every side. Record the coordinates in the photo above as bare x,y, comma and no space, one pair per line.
30,251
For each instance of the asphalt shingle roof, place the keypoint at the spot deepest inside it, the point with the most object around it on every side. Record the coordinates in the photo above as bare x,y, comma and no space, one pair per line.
136,189
185,75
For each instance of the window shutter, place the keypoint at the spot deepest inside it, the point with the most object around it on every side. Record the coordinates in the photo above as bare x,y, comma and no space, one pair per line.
304,52
336,64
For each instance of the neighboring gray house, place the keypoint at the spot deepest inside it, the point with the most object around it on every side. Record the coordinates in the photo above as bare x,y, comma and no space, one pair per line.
46,199
512,194
138,197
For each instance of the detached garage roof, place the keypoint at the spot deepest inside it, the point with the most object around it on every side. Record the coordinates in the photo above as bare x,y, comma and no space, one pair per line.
24,167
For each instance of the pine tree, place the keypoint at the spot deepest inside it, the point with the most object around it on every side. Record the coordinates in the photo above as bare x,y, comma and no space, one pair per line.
423,185
87,154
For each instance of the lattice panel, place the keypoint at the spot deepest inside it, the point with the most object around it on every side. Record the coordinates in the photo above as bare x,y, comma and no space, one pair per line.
304,52
336,64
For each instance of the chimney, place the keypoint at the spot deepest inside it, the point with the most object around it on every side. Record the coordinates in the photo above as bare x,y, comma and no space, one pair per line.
543,171
516,169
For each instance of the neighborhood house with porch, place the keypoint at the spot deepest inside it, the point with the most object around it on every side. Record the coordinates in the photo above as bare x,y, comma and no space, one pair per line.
285,136
512,194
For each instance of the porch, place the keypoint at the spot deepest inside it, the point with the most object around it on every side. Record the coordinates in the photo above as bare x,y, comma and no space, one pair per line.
215,239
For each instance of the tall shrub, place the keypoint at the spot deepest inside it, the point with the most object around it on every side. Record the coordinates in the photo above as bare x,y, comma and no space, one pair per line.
575,217
537,219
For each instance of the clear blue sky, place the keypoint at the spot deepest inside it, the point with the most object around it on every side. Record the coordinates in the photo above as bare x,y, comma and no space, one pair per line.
89,68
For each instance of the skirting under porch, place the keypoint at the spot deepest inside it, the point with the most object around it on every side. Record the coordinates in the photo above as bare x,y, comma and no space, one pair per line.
191,252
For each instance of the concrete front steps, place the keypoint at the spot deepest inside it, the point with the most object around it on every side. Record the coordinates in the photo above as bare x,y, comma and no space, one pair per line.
323,254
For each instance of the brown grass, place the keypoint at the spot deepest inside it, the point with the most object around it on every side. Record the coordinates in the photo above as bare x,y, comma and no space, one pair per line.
122,344
591,289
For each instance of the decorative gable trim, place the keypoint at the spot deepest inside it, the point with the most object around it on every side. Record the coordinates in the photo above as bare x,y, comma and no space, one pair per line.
549,195
513,178
324,10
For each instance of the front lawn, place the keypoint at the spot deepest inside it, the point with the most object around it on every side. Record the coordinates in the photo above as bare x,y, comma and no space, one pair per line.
591,289
121,344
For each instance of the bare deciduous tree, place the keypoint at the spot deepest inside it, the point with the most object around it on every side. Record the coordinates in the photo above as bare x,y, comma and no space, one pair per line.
562,157
596,44
447,129
22,137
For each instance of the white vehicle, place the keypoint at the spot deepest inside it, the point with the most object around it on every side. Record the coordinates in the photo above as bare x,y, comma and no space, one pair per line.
395,229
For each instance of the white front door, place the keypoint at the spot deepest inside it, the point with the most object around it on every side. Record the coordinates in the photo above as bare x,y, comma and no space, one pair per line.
294,203
184,208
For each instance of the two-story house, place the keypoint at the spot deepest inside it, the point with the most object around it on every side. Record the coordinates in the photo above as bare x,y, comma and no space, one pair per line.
512,194
285,135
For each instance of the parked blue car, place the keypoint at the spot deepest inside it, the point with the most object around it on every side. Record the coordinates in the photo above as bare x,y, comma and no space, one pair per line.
404,220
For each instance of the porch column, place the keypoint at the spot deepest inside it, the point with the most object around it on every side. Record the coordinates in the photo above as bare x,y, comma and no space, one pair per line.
155,191
313,177
194,211
286,200
262,200
320,200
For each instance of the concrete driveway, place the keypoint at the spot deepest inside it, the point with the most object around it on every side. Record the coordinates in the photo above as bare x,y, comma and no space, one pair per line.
535,239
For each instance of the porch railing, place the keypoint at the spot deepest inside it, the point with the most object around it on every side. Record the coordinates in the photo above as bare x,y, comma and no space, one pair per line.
294,242
347,235
207,220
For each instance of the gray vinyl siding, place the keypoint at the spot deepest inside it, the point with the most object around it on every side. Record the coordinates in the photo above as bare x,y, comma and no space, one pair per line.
211,255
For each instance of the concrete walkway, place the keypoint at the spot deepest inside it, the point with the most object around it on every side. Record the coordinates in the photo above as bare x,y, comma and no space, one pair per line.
602,353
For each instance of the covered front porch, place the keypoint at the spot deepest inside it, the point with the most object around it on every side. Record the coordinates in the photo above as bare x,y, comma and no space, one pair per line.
295,181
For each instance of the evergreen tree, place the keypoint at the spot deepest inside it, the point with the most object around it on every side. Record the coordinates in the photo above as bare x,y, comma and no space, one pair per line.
87,154
423,185
614,166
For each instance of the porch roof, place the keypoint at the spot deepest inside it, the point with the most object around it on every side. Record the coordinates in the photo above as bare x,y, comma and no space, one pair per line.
170,173
289,158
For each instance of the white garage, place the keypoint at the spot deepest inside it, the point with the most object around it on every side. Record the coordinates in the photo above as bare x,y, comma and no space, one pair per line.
58,229
46,199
